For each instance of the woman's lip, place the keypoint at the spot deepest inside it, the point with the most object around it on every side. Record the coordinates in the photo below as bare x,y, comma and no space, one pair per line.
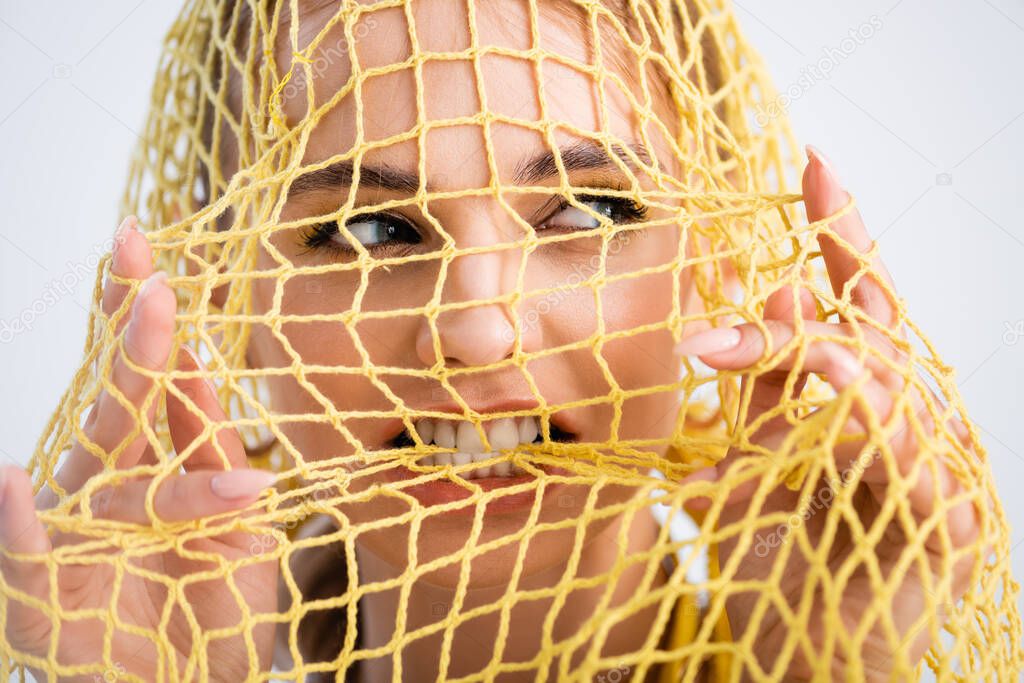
442,491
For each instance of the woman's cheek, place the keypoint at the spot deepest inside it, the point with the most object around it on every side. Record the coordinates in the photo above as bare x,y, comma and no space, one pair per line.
642,360
629,300
297,398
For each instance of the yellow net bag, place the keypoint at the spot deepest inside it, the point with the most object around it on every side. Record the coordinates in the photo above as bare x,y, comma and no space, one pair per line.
433,262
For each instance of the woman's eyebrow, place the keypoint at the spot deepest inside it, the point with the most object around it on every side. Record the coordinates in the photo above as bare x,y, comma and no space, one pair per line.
371,176
579,156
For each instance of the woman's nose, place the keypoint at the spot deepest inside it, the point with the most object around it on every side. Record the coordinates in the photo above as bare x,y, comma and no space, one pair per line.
481,332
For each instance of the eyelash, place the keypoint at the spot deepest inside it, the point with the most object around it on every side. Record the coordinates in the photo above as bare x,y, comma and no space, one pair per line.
321,236
629,210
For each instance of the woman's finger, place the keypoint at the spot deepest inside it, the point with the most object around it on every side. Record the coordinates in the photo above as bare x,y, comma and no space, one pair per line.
132,259
784,305
188,415
147,343
182,497
841,368
873,401
933,480
824,196
22,532
744,346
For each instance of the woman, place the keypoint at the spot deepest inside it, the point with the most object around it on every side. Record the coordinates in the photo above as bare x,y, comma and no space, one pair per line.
440,256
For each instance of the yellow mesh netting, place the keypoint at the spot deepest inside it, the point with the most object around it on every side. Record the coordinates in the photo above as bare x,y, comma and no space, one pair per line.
282,136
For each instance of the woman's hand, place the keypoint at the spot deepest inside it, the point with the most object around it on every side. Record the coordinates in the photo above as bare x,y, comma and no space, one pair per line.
886,497
205,488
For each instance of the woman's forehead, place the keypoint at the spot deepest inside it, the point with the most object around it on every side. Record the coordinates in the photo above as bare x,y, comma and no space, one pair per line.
446,97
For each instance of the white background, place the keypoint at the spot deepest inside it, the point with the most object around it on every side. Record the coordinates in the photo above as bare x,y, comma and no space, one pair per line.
924,122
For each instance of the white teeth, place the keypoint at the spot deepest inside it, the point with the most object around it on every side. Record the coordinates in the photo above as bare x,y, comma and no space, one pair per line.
462,436
460,458
502,468
425,428
528,430
444,435
468,439
469,444
504,435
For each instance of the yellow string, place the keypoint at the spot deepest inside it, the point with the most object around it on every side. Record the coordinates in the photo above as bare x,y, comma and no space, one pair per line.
211,222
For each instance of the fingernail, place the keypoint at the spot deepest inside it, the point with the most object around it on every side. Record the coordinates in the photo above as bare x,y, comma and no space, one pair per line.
121,234
3,484
815,154
150,283
134,333
235,484
145,291
709,341
198,365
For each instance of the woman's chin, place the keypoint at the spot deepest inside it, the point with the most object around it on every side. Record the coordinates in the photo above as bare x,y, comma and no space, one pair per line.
491,573
538,540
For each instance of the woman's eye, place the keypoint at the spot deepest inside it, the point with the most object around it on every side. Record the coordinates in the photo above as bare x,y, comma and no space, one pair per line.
372,231
616,209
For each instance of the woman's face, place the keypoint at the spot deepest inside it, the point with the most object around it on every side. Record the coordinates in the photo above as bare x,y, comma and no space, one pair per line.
435,332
